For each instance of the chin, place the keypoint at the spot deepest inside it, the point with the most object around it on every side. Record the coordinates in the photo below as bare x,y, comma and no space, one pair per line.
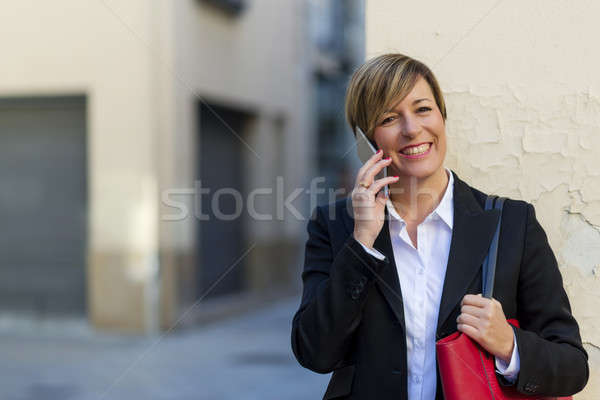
420,172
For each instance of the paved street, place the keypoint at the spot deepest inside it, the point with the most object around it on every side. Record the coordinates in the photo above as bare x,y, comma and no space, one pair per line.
245,357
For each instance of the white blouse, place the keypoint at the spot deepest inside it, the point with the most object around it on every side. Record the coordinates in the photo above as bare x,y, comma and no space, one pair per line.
421,273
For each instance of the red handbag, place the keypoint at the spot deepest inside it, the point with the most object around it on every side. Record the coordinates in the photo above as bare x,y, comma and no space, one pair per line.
467,370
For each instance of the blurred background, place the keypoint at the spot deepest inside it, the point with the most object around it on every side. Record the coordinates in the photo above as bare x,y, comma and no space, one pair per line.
114,117
159,161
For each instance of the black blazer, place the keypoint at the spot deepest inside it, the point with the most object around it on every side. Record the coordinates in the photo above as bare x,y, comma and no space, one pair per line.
351,319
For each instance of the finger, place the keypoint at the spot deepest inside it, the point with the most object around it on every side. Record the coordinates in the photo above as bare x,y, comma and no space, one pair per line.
469,331
381,197
474,300
361,198
376,168
496,303
472,310
380,183
370,162
467,319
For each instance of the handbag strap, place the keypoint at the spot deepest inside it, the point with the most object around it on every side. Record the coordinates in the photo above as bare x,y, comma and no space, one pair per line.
489,264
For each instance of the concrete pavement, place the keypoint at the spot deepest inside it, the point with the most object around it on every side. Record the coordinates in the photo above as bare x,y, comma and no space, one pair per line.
247,357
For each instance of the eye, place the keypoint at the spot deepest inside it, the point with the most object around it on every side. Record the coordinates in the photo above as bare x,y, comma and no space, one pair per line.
387,120
424,109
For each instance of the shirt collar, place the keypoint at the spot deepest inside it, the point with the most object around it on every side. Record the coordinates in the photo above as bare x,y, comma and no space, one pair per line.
444,210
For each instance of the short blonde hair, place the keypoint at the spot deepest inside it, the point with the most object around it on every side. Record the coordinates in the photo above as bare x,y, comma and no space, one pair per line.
380,83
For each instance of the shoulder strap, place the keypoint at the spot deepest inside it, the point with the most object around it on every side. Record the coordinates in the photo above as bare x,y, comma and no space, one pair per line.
489,264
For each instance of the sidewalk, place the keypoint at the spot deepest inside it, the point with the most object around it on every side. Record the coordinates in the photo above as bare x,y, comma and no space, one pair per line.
247,357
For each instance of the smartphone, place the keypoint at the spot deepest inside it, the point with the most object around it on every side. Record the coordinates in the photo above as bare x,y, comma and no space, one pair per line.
365,150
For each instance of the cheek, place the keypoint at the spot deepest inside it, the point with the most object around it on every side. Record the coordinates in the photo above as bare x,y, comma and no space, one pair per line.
442,142
441,137
442,149
386,138
382,140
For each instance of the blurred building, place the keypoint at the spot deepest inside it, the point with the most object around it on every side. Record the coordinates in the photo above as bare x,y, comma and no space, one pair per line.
337,34
116,116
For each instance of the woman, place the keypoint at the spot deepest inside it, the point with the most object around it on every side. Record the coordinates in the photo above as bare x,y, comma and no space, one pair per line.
384,278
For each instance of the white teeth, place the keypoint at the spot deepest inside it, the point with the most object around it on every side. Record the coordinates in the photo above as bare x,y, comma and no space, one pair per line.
416,150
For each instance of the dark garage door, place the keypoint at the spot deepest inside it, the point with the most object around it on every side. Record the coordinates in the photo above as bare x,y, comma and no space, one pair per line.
43,205
221,240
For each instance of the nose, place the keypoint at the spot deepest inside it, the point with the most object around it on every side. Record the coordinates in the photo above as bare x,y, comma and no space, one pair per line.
410,127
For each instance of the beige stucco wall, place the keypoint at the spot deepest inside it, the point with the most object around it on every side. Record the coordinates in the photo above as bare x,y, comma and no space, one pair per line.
523,95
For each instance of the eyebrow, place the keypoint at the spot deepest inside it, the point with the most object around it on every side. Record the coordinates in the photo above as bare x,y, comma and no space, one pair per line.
413,103
419,100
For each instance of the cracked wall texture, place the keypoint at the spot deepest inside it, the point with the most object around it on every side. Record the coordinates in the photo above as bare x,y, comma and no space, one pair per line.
523,98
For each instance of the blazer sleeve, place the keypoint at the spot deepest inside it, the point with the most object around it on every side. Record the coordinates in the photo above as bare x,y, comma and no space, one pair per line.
553,360
335,288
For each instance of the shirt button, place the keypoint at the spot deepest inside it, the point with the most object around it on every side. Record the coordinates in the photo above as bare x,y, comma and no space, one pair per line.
418,379
420,271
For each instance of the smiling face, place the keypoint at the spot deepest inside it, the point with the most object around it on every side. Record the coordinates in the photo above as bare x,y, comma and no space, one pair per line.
413,133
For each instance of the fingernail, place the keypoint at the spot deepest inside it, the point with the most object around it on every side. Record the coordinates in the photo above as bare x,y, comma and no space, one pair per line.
396,176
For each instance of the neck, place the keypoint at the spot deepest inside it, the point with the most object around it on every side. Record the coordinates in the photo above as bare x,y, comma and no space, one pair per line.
415,198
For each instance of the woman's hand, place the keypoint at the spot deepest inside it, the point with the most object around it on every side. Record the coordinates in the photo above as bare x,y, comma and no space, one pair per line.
367,204
483,320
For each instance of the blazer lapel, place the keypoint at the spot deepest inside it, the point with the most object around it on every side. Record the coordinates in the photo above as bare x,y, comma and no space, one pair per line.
472,233
388,282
